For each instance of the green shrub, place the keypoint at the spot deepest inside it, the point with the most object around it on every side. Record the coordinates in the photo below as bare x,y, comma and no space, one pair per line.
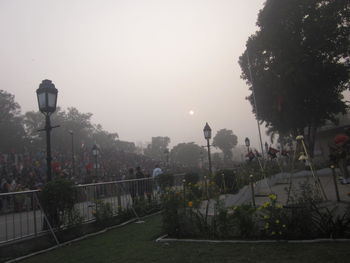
103,212
245,221
165,180
226,181
274,219
191,178
172,205
58,198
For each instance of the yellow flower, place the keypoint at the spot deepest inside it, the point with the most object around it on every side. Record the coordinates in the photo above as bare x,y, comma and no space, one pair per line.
277,221
279,206
273,196
273,233
190,203
267,225
266,204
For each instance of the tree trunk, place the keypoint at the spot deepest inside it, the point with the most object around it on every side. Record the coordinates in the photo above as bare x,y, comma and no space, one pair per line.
311,139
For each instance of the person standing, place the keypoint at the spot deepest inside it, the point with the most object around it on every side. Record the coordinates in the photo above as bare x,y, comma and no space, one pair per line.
156,173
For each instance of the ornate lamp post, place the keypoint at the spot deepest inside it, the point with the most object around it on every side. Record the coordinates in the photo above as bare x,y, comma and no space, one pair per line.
73,159
95,152
207,136
47,101
247,143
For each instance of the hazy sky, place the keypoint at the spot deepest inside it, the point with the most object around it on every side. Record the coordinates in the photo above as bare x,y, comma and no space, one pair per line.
140,66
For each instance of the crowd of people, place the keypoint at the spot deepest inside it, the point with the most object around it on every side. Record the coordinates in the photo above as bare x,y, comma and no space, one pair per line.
19,172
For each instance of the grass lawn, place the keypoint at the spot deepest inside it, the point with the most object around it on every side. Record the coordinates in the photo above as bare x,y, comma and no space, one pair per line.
135,243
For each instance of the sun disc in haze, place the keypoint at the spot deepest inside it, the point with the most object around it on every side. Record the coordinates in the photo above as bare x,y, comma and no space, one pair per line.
191,112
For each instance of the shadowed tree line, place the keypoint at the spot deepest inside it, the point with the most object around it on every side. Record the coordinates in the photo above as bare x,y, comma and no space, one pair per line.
19,132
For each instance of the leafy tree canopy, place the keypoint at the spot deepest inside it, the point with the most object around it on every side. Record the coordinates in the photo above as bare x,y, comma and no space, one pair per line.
186,153
299,61
225,140
12,132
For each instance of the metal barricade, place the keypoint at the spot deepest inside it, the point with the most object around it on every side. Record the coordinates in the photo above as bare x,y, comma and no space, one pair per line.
21,216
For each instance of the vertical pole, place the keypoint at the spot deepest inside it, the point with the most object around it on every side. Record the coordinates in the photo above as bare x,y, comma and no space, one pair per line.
184,188
335,182
34,214
316,177
96,166
209,157
252,187
48,145
73,159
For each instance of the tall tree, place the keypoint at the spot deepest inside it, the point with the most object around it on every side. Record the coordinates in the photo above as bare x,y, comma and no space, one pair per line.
70,120
187,154
225,140
11,124
299,61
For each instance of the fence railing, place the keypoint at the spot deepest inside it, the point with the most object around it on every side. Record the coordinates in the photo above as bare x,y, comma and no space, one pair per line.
21,215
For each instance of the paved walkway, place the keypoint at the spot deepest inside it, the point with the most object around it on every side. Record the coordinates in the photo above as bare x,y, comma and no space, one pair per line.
279,185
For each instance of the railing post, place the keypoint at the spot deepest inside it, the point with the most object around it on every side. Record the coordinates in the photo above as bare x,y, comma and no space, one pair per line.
34,214
252,187
184,190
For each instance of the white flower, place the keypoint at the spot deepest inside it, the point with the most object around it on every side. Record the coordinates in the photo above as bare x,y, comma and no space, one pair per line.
300,137
302,157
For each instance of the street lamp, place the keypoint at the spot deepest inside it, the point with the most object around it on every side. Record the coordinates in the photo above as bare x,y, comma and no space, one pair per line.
73,159
207,136
247,143
95,152
47,101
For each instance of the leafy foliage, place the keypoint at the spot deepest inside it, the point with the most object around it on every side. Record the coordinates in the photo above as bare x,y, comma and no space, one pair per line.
225,140
184,216
58,198
165,180
11,126
186,154
226,180
103,212
299,60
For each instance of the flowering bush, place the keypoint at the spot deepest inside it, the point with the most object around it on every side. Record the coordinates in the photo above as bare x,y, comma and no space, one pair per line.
273,218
